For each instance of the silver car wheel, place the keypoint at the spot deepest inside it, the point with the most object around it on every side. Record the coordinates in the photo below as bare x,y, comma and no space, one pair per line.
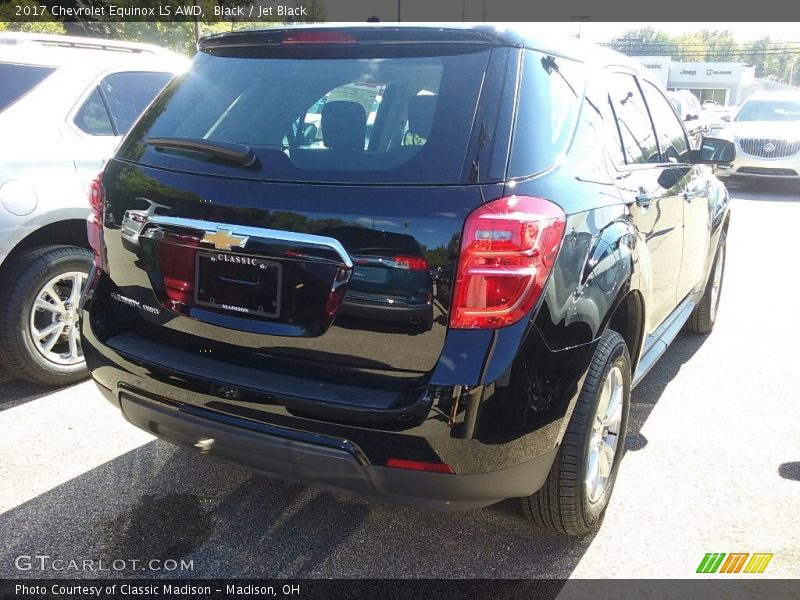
605,435
54,319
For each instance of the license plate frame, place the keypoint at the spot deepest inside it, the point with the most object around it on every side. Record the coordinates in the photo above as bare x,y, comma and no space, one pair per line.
237,261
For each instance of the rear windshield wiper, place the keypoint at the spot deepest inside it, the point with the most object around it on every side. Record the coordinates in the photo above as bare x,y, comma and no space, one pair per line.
229,151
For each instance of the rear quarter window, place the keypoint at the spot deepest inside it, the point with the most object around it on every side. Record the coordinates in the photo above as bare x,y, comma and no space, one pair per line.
548,105
118,100
17,80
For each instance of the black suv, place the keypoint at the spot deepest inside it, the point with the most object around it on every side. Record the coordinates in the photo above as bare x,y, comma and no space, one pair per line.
424,264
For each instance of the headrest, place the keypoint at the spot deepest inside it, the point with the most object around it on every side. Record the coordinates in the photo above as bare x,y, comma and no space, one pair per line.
344,125
420,115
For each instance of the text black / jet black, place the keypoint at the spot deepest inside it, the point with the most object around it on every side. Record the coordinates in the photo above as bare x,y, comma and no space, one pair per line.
422,264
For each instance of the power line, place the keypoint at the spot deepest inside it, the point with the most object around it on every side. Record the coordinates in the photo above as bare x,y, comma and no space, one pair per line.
712,52
696,44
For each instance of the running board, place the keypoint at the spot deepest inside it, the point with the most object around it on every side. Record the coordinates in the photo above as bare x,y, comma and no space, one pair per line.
658,342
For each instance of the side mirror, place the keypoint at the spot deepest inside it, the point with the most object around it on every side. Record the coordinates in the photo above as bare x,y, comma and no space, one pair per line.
726,118
715,151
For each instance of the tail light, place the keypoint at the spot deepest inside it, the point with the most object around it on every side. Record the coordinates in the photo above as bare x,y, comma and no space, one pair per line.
94,224
176,258
412,263
508,248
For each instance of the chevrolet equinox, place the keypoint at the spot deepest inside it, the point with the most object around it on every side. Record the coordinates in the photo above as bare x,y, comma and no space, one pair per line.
417,263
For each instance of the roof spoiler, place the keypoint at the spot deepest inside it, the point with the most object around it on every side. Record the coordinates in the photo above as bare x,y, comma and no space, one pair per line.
354,34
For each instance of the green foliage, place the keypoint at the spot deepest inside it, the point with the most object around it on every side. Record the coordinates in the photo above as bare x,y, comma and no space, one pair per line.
43,24
177,36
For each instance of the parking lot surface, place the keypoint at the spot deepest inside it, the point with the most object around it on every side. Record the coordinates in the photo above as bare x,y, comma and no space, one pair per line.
712,465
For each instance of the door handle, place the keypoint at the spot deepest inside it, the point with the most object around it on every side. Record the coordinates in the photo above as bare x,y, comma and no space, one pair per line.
688,195
643,199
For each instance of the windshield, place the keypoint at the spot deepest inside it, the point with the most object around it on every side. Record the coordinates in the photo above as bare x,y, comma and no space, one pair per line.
321,118
770,110
18,80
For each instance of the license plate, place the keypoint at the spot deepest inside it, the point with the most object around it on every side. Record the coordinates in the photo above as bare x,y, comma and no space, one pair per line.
370,274
238,283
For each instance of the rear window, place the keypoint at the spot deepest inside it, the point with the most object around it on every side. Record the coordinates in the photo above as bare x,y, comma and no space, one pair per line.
364,118
18,80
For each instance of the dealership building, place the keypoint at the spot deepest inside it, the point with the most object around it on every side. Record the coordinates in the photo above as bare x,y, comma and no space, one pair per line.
726,82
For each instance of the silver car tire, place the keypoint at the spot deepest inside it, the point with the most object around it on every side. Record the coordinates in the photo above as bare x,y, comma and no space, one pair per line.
576,493
39,326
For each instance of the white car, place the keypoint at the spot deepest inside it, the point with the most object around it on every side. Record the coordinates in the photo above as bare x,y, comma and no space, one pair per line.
766,131
65,103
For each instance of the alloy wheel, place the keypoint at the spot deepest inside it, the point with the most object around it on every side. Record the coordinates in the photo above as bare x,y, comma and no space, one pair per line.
606,428
54,319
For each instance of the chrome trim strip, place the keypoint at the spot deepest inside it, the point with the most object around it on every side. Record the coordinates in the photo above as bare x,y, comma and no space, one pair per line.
259,233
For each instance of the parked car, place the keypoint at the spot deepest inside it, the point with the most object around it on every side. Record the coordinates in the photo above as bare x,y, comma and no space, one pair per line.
391,281
65,103
766,131
571,259
718,117
688,108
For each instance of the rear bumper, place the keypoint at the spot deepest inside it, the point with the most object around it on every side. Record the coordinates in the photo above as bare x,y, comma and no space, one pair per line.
322,461
384,311
338,432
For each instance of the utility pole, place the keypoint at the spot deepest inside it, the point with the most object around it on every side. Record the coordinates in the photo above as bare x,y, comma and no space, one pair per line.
399,10
580,20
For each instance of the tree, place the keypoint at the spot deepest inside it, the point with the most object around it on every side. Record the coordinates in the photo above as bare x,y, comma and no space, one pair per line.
644,41
773,60
44,24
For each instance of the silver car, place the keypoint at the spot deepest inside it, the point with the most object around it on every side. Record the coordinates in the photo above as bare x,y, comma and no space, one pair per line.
65,104
766,131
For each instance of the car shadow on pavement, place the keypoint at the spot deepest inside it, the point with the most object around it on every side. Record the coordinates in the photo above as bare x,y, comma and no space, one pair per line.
15,392
161,502
790,470
649,390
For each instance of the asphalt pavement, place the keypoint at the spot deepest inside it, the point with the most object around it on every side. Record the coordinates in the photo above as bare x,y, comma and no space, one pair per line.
712,465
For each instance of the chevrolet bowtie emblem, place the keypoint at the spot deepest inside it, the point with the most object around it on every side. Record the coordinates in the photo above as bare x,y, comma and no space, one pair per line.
223,239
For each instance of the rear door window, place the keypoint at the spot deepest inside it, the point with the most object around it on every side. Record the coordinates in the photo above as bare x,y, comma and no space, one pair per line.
638,139
17,80
365,118
671,135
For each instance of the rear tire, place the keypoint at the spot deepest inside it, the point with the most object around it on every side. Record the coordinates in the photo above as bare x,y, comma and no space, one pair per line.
704,314
31,317
575,495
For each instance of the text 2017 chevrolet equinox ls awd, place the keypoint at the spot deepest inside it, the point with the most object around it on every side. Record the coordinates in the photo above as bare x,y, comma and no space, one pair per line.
440,296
